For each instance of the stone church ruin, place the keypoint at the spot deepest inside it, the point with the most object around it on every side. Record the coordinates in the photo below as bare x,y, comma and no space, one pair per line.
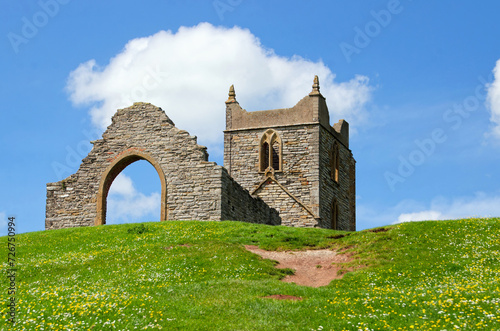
281,166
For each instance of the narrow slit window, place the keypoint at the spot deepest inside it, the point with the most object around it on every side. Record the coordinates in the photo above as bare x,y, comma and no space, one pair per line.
264,156
334,162
276,156
335,214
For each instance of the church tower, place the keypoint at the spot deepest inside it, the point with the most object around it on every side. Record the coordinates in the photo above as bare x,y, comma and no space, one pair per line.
294,160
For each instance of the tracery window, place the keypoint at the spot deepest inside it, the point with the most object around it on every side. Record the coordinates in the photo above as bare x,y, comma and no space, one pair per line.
270,152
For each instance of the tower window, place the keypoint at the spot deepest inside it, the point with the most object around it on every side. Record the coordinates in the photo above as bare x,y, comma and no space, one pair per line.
270,152
334,162
264,157
335,214
276,155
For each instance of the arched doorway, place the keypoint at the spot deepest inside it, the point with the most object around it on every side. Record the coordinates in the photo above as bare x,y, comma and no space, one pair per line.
121,162
134,195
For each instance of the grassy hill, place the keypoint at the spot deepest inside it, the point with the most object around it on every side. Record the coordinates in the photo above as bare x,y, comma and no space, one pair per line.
190,275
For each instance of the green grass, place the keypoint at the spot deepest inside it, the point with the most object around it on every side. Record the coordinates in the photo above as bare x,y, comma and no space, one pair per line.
190,275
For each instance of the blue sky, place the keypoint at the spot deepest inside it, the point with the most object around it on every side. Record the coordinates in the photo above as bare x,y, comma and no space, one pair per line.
415,80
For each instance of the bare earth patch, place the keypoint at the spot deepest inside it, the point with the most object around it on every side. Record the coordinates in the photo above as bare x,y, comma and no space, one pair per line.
313,268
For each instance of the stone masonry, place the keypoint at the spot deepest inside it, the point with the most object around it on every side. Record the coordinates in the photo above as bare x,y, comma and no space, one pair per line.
284,166
299,184
192,187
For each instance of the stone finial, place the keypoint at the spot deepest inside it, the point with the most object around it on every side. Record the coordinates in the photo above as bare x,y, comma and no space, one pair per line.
232,95
315,86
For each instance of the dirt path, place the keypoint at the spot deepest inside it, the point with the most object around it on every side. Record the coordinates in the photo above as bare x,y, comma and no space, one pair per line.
312,267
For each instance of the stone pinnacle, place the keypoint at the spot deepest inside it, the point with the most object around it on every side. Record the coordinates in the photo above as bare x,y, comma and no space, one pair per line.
232,95
315,86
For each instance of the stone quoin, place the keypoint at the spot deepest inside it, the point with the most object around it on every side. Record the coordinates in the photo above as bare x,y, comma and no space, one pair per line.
281,166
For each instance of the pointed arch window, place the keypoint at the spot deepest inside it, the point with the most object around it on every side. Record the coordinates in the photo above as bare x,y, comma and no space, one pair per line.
335,214
270,154
334,162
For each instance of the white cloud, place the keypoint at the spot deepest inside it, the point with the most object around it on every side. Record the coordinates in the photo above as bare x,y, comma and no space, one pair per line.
427,215
370,215
493,100
125,204
188,74
122,185
480,205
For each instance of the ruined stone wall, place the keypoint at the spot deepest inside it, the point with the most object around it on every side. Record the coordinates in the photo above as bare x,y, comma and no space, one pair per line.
68,205
192,187
293,192
239,205
343,190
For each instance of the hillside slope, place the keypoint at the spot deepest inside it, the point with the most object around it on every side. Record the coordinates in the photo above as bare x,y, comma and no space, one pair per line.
191,275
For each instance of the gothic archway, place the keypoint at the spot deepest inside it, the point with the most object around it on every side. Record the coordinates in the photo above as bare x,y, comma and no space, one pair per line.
121,162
